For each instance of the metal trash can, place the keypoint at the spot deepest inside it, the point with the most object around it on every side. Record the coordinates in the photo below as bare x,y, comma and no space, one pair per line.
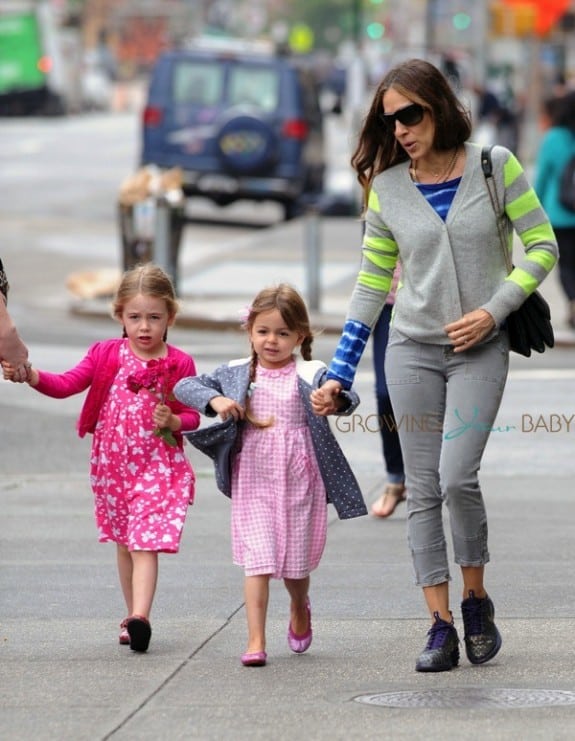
151,231
151,219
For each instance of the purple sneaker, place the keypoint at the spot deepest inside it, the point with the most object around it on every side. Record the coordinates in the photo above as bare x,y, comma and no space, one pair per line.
482,639
442,650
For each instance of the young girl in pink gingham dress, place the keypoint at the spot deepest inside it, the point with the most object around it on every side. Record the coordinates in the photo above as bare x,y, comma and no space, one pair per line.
279,491
279,504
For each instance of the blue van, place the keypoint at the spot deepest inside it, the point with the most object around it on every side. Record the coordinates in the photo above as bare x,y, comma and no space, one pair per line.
241,124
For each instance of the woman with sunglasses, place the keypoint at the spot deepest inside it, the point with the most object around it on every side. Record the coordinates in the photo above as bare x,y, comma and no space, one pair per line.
427,205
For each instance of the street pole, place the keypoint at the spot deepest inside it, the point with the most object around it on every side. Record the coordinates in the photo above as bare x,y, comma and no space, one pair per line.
357,76
356,88
430,15
162,252
356,22
530,126
313,254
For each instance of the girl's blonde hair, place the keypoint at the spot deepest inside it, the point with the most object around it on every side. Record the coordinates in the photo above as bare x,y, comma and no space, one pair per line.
147,280
293,311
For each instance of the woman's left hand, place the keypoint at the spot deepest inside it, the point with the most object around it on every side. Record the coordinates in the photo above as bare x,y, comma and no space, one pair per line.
470,329
323,399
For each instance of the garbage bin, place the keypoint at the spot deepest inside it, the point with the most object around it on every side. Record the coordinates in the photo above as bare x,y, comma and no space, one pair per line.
136,247
151,231
151,218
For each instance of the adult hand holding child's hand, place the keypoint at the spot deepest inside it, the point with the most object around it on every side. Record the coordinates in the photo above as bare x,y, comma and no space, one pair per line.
323,399
18,374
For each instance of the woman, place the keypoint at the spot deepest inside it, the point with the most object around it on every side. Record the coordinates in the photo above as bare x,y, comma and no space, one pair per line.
447,358
556,149
394,492
12,349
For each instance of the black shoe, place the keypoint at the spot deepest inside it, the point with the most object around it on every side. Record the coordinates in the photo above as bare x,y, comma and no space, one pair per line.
482,639
442,650
140,632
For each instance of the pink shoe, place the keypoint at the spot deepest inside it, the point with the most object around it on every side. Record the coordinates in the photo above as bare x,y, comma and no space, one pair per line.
124,637
258,658
299,644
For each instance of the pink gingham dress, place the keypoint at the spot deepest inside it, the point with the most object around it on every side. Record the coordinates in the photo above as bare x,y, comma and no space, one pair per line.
142,486
279,509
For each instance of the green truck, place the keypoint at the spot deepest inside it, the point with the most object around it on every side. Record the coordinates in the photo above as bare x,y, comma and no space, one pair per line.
32,70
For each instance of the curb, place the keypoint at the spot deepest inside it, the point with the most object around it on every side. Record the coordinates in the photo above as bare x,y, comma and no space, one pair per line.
100,309
323,323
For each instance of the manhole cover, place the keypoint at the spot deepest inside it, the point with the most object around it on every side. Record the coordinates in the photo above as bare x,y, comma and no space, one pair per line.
470,697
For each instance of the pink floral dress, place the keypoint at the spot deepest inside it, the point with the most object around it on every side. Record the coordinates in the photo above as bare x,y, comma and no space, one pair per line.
142,486
279,509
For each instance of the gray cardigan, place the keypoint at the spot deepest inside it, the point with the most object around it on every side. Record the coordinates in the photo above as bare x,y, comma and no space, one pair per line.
222,440
454,266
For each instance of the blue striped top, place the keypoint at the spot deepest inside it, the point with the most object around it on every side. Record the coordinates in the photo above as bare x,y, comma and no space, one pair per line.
440,195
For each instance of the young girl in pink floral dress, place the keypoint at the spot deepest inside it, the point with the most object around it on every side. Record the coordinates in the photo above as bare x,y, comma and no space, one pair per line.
140,475
284,461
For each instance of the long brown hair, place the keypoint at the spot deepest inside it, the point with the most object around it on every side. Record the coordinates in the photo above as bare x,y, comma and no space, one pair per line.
420,82
293,311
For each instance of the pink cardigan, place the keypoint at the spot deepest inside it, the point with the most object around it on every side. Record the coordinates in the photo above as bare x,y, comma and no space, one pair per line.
97,371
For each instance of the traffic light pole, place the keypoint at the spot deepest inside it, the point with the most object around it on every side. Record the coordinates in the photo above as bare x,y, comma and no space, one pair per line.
430,18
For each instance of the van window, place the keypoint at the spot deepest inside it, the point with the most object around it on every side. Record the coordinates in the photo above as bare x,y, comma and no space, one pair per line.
198,83
255,86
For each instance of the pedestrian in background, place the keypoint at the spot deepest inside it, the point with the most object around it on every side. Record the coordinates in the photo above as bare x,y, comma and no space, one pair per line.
284,466
556,148
447,357
12,349
394,492
140,475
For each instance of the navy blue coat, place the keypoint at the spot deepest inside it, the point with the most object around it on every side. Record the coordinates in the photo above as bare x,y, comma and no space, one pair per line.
220,441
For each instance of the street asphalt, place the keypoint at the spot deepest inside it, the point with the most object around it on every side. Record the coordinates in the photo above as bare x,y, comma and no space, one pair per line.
63,675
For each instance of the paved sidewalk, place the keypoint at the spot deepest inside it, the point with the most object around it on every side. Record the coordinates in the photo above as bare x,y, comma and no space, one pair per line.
214,286
63,677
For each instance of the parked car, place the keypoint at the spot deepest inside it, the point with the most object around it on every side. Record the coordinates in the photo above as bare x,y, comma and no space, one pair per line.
34,73
241,124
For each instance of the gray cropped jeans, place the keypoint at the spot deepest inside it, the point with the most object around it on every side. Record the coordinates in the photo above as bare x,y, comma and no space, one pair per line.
445,404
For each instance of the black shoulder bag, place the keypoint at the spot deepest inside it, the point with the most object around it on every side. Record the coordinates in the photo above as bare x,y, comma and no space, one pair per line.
529,327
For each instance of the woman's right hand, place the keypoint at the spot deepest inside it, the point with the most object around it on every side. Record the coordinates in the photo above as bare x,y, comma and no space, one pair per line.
226,407
323,399
16,374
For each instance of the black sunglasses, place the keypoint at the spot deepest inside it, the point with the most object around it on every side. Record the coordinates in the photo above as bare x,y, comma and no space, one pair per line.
411,115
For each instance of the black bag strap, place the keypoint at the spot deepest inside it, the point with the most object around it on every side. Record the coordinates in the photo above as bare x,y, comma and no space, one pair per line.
486,163
487,167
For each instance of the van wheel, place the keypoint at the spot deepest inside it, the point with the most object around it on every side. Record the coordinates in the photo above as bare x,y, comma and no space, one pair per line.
292,209
247,145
